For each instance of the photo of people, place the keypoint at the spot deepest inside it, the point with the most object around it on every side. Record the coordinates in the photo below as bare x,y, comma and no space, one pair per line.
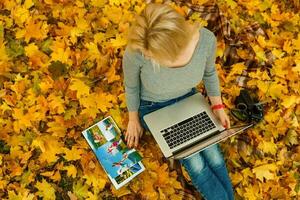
96,137
119,162
128,173
109,128
117,146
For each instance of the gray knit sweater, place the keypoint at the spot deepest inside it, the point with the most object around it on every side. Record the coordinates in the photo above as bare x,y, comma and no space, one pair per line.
142,81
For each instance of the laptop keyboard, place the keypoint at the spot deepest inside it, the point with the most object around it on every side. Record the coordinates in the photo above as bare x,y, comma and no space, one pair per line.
187,129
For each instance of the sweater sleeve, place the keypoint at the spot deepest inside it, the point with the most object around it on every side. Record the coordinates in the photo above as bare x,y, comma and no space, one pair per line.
131,70
210,77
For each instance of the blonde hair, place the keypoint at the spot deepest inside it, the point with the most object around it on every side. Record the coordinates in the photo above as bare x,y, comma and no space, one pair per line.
160,30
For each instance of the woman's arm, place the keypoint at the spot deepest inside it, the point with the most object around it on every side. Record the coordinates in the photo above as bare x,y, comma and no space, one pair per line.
215,100
131,69
210,76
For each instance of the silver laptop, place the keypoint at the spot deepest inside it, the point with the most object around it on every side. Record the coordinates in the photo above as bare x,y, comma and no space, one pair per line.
187,127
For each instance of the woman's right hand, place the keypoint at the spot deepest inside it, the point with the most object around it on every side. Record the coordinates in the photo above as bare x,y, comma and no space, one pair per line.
133,133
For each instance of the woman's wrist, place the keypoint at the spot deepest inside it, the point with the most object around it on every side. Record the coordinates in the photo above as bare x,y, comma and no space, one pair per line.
218,106
215,100
133,115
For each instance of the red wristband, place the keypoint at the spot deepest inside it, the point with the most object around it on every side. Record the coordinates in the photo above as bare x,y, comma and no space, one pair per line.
217,106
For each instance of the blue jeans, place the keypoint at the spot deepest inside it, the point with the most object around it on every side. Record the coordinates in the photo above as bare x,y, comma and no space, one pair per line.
207,169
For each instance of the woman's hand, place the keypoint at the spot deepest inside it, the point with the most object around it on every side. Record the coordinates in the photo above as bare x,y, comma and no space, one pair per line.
223,117
133,133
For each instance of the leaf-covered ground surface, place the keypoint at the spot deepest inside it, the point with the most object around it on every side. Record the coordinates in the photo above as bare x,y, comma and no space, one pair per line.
60,72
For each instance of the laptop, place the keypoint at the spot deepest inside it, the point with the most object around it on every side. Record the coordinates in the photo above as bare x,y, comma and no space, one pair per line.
187,126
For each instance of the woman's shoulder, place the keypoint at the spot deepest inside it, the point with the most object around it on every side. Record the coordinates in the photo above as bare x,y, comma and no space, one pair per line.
133,54
207,33
209,39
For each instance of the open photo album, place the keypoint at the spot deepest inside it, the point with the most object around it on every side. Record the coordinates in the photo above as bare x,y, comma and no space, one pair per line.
120,163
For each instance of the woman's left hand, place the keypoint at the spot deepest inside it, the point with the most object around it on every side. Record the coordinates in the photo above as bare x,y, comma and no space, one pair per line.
223,117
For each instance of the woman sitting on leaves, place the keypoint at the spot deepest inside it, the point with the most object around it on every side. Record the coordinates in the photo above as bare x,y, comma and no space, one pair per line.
182,54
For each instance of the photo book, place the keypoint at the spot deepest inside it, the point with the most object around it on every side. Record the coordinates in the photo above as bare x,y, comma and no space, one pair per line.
120,163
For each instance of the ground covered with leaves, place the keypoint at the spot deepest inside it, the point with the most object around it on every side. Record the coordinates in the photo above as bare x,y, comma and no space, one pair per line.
60,72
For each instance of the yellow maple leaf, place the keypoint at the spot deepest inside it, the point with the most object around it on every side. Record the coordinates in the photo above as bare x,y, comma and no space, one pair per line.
111,75
105,101
259,52
73,154
79,86
71,170
273,89
93,51
295,122
62,55
113,13
149,191
98,3
22,120
252,192
99,38
243,53
163,177
47,173
261,41
56,103
231,3
95,179
236,177
37,30
272,116
162,195
92,196
289,100
90,112
296,42
64,30
20,14
22,195
287,46
119,41
236,68
297,68
120,192
57,127
277,53
265,171
45,190
199,2
4,107
268,146
28,4
50,146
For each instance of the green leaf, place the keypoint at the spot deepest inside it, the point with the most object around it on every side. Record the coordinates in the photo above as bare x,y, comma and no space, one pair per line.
57,69
265,5
80,189
297,176
45,46
291,137
15,48
4,148
1,31
36,83
297,187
